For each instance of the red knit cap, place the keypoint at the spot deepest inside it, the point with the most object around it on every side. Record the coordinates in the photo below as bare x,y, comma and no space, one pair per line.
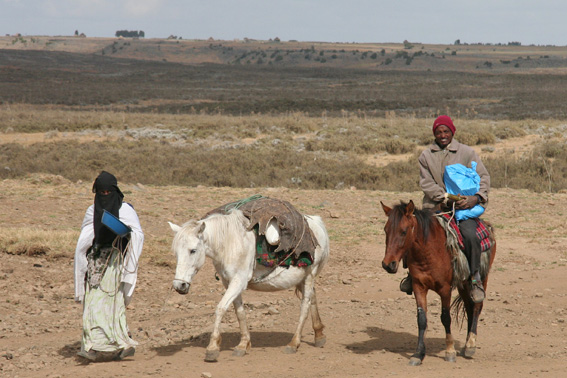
445,121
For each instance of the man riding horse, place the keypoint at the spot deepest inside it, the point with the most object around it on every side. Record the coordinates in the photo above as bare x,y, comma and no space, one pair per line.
443,152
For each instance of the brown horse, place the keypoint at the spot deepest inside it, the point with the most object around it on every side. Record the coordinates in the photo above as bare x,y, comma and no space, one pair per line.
418,237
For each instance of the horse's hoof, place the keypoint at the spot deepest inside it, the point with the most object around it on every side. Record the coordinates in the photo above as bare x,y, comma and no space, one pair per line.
414,361
289,349
239,352
451,357
320,341
212,355
469,352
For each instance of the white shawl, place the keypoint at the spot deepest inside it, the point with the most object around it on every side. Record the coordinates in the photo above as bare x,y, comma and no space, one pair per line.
130,269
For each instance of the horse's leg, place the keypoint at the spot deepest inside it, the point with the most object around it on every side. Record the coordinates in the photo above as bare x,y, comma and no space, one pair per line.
320,338
473,313
450,353
234,289
245,345
421,301
306,288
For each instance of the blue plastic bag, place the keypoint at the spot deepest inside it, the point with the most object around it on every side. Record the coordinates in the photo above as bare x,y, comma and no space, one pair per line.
462,180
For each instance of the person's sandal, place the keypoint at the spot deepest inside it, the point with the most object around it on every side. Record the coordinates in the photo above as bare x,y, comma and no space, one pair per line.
128,352
91,355
477,292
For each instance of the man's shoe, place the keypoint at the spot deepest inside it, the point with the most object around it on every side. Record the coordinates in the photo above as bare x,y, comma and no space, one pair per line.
406,285
477,292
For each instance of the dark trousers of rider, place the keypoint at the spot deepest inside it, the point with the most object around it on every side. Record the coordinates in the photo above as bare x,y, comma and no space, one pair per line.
472,243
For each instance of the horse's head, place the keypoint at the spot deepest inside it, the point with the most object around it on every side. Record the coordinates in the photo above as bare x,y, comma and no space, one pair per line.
399,230
189,247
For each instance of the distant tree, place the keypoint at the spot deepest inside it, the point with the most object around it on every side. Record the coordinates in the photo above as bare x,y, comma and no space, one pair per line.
76,32
458,42
130,33
514,43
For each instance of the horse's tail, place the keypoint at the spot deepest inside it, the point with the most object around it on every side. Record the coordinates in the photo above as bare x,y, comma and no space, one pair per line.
459,311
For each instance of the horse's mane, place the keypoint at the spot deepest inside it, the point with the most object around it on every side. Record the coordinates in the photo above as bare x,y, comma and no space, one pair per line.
223,232
424,218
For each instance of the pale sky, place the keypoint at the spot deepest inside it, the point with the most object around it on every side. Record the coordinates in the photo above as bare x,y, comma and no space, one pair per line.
539,22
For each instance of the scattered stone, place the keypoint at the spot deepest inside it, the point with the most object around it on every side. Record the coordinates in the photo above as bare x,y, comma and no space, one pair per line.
206,374
272,311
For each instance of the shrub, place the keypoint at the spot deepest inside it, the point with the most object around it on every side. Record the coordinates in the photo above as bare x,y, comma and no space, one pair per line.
507,132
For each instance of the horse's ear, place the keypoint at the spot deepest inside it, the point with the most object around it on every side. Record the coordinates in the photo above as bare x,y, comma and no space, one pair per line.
410,208
202,228
174,227
386,208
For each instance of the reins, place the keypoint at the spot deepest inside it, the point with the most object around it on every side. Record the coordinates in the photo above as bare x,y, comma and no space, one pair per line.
452,212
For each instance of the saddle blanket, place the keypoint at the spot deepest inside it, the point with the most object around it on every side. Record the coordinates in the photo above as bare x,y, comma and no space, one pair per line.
482,232
267,255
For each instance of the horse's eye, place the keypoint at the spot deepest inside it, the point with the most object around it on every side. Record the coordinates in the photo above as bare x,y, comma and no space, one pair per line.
404,233
192,251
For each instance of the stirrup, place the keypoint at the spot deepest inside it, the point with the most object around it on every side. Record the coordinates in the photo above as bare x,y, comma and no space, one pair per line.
406,285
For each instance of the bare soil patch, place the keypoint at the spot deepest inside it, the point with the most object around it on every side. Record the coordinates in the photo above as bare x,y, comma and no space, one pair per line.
370,325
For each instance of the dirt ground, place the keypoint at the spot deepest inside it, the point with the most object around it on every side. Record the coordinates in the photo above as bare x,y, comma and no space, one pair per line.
371,326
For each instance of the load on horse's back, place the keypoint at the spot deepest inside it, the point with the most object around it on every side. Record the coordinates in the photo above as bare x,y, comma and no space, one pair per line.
434,263
229,235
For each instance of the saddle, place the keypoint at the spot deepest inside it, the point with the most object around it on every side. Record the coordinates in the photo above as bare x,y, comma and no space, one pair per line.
455,245
296,243
482,232
267,256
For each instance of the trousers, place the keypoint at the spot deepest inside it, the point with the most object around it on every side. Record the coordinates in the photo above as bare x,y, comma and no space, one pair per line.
472,244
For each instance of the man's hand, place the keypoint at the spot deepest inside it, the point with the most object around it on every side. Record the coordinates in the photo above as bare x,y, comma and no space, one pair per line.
466,203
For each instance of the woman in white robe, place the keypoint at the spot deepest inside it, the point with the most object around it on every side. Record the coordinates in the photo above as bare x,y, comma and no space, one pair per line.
106,269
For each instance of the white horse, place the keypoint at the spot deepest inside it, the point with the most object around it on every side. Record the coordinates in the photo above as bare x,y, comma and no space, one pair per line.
225,239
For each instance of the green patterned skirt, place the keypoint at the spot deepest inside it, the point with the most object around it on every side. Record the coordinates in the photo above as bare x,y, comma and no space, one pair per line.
104,312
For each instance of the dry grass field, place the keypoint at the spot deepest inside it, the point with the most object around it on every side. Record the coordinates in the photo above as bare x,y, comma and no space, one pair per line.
189,125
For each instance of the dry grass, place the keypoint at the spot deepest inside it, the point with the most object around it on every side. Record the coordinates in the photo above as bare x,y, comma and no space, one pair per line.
32,242
290,150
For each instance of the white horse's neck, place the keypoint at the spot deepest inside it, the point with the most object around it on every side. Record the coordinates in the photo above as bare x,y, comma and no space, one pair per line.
224,237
